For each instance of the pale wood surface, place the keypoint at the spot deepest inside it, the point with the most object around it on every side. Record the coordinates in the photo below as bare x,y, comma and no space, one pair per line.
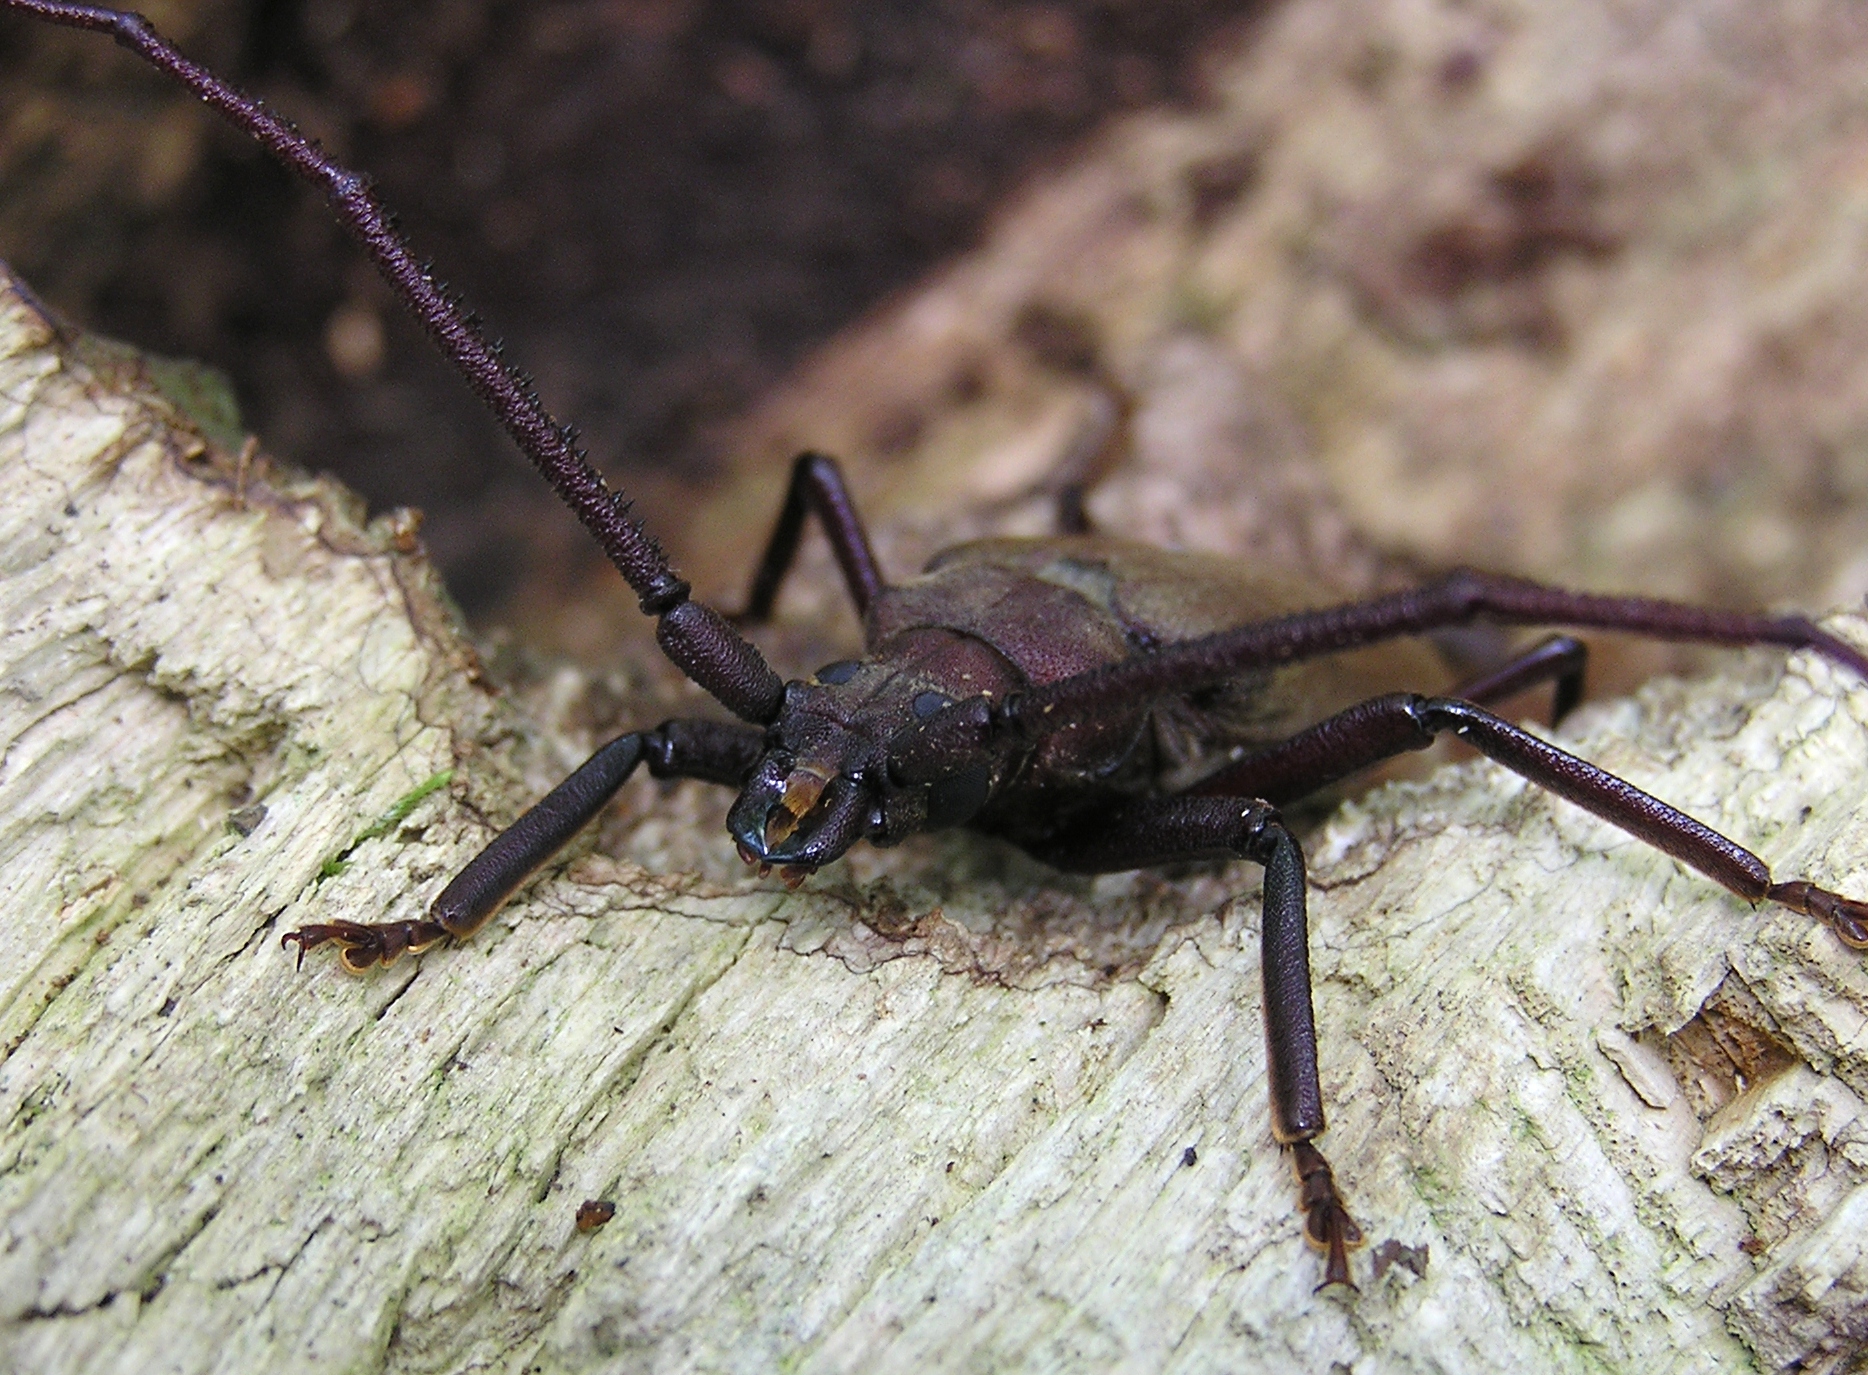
929,1112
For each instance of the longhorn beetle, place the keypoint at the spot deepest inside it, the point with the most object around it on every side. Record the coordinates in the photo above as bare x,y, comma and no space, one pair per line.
1059,693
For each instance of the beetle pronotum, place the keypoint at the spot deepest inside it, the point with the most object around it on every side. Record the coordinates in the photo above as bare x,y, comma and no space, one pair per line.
1101,705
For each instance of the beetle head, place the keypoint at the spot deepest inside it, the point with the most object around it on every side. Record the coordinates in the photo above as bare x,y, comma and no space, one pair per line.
824,780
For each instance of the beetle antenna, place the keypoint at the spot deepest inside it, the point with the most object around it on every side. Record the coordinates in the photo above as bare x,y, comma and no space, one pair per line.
1459,598
697,639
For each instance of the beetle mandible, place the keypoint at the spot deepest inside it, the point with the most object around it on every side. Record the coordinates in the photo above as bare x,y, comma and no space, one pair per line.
1102,705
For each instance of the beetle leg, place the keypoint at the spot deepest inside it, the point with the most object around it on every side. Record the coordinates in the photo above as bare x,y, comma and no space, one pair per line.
1164,830
1098,449
1383,727
709,750
1458,599
1327,1224
362,944
1561,660
817,486
1291,1040
1073,512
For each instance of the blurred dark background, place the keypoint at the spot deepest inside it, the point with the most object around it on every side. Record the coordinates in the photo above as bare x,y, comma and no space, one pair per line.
660,205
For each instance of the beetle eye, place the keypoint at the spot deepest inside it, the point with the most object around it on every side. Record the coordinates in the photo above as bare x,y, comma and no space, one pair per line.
840,672
955,799
926,704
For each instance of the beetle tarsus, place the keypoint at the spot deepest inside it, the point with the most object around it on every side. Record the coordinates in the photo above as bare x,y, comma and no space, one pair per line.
1327,1224
1845,916
363,944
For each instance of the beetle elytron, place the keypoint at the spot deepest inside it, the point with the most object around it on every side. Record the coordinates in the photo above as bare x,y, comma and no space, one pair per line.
1099,704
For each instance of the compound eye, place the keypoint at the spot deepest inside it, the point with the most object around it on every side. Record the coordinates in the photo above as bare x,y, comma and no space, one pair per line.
954,800
926,704
832,675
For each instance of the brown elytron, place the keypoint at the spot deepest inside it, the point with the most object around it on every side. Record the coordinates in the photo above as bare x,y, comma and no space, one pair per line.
1102,705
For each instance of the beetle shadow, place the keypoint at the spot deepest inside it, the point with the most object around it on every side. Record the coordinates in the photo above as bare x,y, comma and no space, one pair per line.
976,904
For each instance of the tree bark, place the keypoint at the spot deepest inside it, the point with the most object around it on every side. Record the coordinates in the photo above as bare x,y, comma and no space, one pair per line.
937,1109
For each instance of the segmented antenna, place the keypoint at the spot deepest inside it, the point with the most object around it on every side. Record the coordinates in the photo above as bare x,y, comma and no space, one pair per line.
695,637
